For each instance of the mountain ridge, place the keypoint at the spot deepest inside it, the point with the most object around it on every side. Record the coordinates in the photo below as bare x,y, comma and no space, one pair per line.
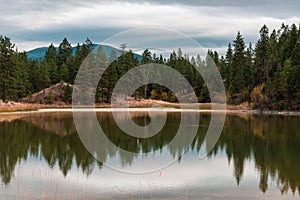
40,52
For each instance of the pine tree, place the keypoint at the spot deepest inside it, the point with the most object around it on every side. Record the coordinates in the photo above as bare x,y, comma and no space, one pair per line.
282,43
223,69
68,94
146,57
295,81
295,56
238,82
285,83
272,69
64,72
24,86
64,52
43,78
33,74
249,72
102,89
8,70
146,90
273,59
262,57
291,41
72,71
228,66
50,59
112,79
51,53
198,83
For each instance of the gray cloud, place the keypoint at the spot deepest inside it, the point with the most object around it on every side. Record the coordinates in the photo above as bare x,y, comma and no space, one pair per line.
223,3
213,23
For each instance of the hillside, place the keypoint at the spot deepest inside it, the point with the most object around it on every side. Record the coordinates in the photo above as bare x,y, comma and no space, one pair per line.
39,53
53,94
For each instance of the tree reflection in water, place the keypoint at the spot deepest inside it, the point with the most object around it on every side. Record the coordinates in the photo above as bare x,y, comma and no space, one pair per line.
271,142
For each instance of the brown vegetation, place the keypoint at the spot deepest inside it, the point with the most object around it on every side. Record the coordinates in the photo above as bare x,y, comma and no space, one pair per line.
54,94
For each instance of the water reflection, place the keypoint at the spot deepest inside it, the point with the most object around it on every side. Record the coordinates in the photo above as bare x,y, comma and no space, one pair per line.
272,143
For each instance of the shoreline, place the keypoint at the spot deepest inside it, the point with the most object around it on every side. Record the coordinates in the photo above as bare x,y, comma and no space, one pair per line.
141,109
137,106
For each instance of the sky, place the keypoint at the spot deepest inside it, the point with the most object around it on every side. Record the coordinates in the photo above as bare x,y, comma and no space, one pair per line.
212,23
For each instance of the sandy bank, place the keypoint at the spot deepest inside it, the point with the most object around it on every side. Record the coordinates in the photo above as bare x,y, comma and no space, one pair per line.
13,108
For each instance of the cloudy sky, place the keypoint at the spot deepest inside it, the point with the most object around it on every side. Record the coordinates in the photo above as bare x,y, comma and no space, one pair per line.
212,23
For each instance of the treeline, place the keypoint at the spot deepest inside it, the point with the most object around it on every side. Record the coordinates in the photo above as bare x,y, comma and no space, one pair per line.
266,75
21,77
128,60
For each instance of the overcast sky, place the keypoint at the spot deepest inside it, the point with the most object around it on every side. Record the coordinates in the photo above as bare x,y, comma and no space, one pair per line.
213,23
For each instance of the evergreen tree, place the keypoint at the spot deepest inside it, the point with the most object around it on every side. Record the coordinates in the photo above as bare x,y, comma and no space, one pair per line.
64,72
64,52
291,41
271,71
285,83
282,43
102,90
68,94
50,59
72,71
238,82
50,53
273,59
24,86
262,57
8,70
146,90
146,57
249,72
43,78
33,74
228,66
295,56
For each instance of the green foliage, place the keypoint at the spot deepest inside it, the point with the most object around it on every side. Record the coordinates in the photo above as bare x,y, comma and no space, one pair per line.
67,94
64,73
21,77
146,57
262,56
50,98
274,63
8,70
238,69
64,52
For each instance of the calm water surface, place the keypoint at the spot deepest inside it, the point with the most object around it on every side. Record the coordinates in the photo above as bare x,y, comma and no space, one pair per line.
256,157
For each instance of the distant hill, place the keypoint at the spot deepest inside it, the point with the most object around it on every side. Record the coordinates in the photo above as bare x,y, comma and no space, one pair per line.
39,53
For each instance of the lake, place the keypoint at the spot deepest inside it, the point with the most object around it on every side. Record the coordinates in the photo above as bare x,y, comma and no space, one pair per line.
42,157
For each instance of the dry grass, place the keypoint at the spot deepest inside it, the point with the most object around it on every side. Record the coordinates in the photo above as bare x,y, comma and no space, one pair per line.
146,103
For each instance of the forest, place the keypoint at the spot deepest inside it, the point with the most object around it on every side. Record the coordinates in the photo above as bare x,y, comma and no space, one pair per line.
265,74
